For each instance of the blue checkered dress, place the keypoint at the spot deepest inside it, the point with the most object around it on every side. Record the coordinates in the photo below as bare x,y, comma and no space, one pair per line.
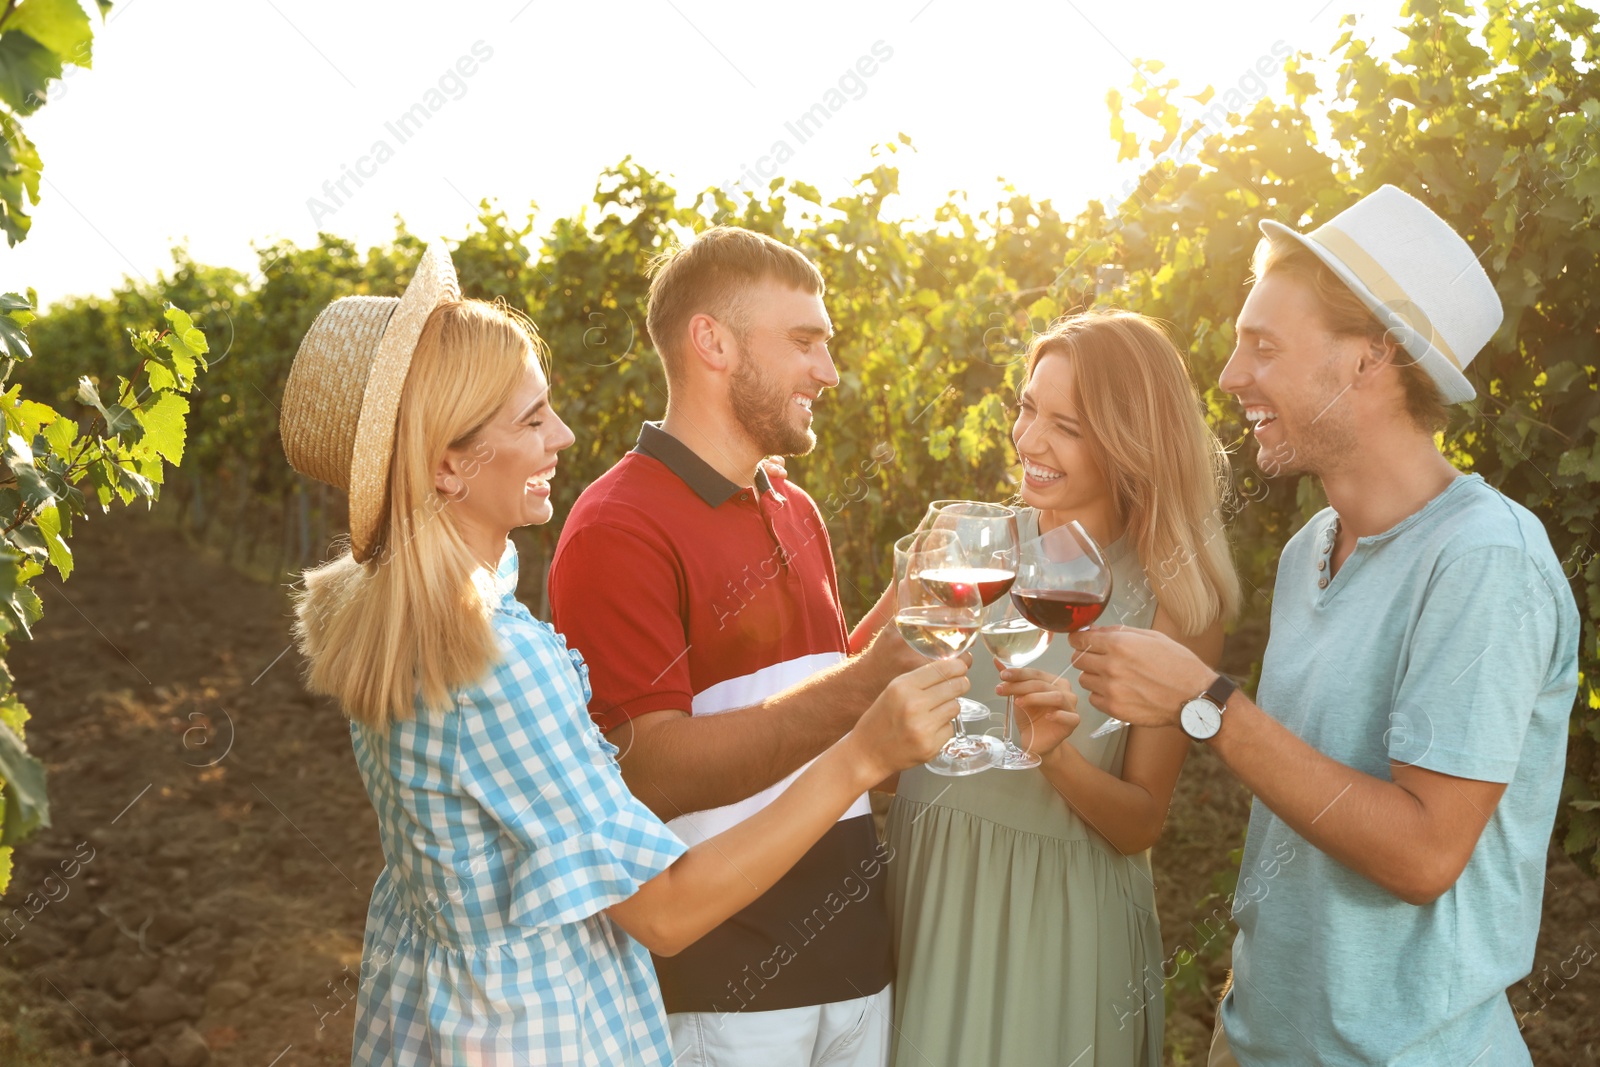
507,829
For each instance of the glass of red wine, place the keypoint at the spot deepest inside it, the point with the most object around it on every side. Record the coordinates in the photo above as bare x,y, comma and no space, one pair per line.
1063,584
940,619
988,534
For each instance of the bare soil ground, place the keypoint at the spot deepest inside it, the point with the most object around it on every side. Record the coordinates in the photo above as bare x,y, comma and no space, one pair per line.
200,896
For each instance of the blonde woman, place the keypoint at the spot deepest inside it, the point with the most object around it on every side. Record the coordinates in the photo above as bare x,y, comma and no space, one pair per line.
1023,904
523,881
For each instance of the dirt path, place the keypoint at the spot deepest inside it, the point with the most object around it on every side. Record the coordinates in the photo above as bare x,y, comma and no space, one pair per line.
204,886
232,845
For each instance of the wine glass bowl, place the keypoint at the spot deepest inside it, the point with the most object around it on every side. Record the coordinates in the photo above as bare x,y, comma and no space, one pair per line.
1059,611
988,535
1063,581
938,631
940,619
1016,642
1063,584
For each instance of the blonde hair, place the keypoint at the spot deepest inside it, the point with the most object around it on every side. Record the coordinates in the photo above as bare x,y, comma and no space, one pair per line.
414,620
1166,469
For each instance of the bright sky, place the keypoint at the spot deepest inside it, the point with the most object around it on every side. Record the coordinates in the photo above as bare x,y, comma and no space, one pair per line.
216,123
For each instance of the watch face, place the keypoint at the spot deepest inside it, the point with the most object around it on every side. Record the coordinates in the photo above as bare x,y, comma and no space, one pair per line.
1201,719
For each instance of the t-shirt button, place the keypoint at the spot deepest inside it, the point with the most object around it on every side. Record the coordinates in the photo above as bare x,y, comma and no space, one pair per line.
744,496
1322,583
1322,564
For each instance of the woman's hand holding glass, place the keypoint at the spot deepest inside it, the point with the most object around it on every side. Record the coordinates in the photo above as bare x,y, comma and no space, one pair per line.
1044,706
1014,642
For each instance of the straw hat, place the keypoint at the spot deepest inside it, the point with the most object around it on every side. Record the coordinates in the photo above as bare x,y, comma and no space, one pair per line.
1416,275
343,393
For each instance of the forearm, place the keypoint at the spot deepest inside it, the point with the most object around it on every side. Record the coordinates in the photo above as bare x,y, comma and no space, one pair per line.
1122,812
1373,826
694,763
719,876
863,634
1411,833
874,620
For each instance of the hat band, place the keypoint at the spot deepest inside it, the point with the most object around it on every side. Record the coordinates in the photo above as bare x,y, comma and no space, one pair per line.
1390,293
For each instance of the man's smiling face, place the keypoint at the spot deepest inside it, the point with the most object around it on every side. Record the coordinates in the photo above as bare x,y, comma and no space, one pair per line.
1293,377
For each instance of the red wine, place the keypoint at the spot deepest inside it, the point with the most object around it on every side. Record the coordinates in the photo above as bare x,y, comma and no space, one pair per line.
951,584
1058,610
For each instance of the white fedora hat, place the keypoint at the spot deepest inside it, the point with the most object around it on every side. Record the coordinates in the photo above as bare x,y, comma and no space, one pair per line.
1416,275
343,392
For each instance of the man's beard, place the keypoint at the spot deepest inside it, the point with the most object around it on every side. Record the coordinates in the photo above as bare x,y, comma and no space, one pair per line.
761,404
1326,438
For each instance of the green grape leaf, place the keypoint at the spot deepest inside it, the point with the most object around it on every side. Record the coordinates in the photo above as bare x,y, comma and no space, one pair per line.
163,421
121,423
102,474
60,437
26,68
26,417
187,347
59,25
18,456
19,179
27,807
21,607
133,484
50,526
29,541
15,315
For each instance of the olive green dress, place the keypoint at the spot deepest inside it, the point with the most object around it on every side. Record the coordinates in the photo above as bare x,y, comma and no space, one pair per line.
1022,937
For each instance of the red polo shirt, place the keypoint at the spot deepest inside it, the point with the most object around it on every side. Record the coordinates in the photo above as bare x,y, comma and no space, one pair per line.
687,592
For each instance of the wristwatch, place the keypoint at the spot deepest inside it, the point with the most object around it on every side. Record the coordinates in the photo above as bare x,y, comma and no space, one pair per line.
1201,717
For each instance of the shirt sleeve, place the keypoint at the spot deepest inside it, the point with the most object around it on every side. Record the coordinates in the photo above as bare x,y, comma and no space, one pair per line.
1477,662
534,762
616,597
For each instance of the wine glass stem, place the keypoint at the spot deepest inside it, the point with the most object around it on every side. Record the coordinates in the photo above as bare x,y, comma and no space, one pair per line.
961,729
1010,717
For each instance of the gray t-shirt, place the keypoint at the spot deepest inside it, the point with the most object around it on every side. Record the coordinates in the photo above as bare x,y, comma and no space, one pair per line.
1448,642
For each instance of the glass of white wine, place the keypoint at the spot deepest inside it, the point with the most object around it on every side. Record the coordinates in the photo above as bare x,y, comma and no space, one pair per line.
1015,642
988,533
941,623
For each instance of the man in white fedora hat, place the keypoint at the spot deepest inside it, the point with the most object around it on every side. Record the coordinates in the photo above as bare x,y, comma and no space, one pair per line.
1406,742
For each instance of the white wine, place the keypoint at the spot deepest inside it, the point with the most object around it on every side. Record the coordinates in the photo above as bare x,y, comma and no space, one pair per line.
1015,642
937,632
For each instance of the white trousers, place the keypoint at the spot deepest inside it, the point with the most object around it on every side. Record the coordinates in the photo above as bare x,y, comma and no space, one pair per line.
846,1033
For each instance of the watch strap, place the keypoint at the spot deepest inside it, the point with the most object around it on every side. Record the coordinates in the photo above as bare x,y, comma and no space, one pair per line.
1220,690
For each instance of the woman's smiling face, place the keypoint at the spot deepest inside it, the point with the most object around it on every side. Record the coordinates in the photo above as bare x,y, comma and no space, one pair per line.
1060,470
502,478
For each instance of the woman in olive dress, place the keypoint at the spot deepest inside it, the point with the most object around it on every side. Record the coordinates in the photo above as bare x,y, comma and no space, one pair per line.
1023,903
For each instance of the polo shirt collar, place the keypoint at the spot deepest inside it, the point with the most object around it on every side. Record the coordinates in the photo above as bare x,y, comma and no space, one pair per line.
695,472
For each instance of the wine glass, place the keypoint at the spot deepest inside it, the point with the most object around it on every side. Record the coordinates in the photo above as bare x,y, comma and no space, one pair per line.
1015,642
940,619
988,533
1063,584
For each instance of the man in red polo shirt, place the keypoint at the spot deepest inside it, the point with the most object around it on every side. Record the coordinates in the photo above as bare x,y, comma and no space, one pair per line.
700,588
